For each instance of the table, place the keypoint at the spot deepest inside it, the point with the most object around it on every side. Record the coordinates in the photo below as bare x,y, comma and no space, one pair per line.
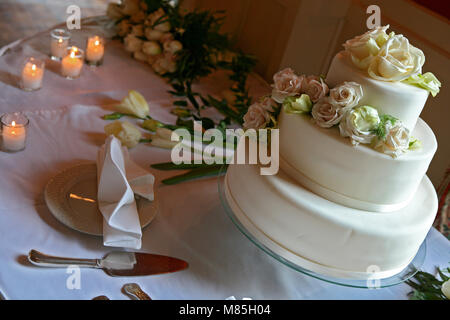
66,129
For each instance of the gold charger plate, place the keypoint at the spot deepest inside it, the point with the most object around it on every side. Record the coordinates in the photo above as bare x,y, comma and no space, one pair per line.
71,197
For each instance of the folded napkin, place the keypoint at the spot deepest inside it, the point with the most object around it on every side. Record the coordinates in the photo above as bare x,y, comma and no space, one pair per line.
119,178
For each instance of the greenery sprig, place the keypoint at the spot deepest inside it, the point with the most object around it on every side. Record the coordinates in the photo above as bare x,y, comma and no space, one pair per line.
427,287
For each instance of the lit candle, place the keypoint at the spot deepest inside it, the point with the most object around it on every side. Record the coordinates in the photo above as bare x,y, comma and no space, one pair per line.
14,132
72,63
95,50
59,43
32,74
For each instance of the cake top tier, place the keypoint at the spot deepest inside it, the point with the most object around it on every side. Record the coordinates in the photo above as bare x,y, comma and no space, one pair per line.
390,57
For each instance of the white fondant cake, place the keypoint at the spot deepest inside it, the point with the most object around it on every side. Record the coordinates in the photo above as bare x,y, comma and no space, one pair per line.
358,177
343,241
397,99
351,193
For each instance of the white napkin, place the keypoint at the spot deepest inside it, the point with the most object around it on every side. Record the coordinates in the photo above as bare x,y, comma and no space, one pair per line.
118,178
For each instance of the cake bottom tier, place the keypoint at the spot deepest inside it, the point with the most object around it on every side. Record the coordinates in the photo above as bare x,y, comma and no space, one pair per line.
326,237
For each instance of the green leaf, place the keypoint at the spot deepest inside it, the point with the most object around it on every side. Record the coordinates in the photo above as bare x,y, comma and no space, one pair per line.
165,166
113,116
210,171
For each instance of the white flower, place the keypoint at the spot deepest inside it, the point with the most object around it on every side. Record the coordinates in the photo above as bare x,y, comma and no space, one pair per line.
124,27
132,44
126,132
396,140
153,35
138,17
397,60
152,48
446,289
359,123
315,88
326,114
173,46
363,48
163,139
114,11
300,104
427,81
138,30
140,56
347,94
257,117
163,27
130,7
285,84
134,104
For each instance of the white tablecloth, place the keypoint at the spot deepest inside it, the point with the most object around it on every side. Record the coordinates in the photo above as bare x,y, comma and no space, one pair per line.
66,129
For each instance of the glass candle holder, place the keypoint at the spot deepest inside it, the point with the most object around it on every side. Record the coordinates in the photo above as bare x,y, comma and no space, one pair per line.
72,63
13,132
95,49
59,43
32,74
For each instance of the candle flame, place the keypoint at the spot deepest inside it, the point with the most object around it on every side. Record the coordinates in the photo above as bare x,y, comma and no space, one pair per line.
33,67
60,40
13,123
97,42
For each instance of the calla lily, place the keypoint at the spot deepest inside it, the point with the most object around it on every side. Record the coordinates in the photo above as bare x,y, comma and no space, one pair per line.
134,104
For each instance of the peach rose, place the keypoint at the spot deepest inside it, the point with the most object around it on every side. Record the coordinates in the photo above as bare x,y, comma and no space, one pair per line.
286,84
256,117
326,114
315,88
346,94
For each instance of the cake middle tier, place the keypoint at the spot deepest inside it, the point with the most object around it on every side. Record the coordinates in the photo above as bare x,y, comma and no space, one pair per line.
357,177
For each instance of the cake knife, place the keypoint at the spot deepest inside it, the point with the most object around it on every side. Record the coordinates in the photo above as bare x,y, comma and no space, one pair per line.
116,263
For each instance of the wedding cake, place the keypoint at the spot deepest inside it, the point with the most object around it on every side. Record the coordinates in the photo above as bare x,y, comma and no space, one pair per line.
351,198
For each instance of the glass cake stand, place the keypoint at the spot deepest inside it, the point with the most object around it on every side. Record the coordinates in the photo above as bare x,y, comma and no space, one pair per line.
407,273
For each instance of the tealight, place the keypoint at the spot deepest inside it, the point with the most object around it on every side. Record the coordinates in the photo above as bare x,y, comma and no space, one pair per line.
13,131
59,43
95,49
72,63
32,74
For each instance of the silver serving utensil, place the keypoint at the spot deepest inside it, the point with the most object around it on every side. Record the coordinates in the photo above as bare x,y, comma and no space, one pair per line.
135,291
116,263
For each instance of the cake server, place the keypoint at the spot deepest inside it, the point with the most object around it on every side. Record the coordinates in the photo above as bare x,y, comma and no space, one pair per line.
116,263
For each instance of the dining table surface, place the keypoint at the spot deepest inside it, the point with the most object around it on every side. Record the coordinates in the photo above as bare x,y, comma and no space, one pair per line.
66,128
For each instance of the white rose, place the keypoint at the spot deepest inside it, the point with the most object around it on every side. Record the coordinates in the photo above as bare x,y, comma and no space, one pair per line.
363,48
326,114
163,27
347,95
124,27
359,123
126,132
132,44
114,11
138,17
134,104
153,35
158,65
152,48
285,84
446,289
173,46
315,88
397,60
140,56
257,117
298,105
396,140
130,7
138,30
